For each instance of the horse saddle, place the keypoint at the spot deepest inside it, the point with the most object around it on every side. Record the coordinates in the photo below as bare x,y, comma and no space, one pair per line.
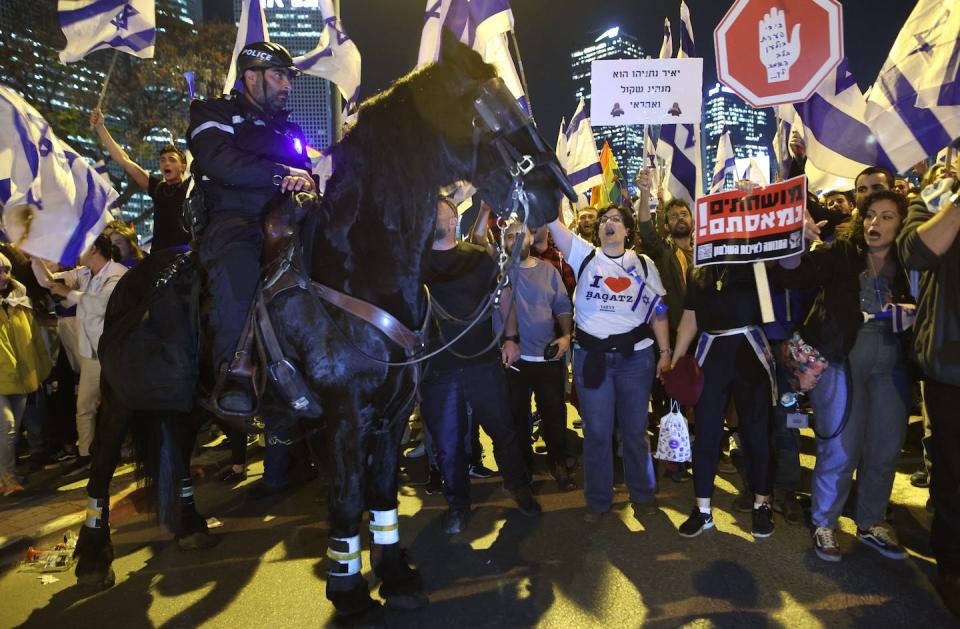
288,230
259,355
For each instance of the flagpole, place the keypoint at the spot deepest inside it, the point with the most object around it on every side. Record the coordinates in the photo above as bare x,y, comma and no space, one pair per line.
523,76
336,102
106,79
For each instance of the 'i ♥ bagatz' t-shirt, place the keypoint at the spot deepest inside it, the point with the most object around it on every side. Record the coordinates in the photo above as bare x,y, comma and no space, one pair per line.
609,298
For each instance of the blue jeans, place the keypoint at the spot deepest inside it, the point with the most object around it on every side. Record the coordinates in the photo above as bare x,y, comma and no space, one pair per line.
623,396
879,399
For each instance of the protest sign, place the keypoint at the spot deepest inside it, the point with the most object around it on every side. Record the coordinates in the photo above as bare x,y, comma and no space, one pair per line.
740,228
646,91
772,52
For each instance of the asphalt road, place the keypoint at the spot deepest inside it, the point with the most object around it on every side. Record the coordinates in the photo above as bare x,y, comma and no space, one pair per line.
506,570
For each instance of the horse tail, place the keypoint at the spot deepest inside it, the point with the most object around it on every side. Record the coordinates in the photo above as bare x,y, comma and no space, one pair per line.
160,465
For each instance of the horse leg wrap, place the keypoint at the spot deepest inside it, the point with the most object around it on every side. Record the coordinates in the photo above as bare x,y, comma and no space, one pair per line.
344,556
186,491
384,527
98,511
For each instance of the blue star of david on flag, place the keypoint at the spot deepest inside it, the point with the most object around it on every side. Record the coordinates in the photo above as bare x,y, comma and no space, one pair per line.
120,21
125,25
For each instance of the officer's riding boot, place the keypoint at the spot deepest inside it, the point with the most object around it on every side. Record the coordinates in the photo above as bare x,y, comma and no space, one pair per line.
236,393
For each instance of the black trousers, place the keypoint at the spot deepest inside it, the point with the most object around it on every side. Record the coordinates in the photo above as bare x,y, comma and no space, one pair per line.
546,380
230,252
732,366
941,403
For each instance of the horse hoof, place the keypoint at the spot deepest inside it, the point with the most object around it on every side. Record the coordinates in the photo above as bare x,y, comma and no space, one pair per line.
370,618
408,602
201,540
97,581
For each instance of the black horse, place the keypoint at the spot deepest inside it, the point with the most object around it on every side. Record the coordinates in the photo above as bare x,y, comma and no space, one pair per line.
449,122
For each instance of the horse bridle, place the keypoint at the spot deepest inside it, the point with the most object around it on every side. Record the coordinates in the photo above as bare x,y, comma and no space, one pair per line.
501,122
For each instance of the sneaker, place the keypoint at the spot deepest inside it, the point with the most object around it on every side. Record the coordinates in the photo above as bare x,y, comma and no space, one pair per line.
479,471
920,479
65,455
455,520
762,521
564,481
647,507
526,503
697,523
80,467
9,485
825,544
434,482
592,517
786,504
883,540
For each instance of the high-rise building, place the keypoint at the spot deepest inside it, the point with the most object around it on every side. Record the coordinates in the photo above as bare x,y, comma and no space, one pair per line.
296,25
751,130
31,37
626,141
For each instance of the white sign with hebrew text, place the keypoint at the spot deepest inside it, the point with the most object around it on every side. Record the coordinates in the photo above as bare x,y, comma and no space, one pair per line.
646,91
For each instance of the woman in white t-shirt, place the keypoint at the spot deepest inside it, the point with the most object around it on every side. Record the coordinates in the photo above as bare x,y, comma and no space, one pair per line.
619,313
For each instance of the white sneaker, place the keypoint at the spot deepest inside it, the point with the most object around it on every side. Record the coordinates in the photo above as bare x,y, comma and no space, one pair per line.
825,544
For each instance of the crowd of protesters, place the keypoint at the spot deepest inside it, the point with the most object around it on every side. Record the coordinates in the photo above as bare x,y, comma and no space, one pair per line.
596,312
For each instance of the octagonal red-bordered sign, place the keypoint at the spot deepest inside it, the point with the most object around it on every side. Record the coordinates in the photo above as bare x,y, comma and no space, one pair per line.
773,52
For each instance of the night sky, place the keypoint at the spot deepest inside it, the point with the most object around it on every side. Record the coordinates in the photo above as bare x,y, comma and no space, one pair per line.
387,33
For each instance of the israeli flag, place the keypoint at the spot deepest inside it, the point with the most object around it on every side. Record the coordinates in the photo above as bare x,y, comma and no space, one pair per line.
818,180
726,163
914,105
126,25
839,141
679,145
336,58
579,155
252,28
666,48
756,173
54,204
482,25
688,47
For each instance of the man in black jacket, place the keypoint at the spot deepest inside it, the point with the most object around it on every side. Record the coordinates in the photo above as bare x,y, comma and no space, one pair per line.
245,152
929,243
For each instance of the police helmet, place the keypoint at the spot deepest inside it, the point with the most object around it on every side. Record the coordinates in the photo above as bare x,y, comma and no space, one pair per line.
263,55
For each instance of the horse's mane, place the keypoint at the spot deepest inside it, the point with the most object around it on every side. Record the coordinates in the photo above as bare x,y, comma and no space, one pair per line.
408,141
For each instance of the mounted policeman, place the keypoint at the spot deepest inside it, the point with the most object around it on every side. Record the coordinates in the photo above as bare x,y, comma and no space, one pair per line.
245,152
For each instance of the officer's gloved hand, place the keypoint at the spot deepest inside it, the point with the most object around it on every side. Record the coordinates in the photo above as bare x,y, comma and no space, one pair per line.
297,180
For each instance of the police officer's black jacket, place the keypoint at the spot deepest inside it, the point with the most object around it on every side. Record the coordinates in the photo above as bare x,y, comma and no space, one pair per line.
240,153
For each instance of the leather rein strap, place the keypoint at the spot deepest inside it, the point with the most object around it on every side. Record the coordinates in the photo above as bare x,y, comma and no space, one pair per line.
412,343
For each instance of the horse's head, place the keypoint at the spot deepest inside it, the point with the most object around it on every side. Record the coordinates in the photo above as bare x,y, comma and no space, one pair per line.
505,156
510,162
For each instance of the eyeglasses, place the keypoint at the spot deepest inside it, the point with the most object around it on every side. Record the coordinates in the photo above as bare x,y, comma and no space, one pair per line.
672,216
616,218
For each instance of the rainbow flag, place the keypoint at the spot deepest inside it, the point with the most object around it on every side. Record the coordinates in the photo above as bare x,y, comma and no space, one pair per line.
614,188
